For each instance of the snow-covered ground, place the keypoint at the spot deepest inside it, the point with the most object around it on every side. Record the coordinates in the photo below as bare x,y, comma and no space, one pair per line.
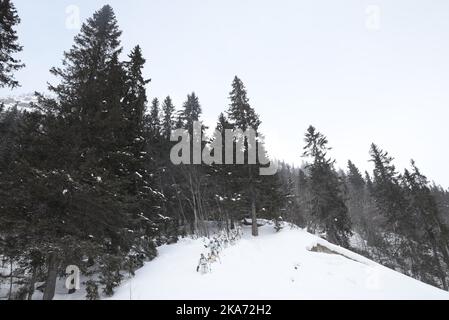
273,266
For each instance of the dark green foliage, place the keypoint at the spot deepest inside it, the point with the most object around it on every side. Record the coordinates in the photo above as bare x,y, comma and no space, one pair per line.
240,112
256,193
327,205
82,177
386,189
9,44
168,110
110,277
92,290
190,112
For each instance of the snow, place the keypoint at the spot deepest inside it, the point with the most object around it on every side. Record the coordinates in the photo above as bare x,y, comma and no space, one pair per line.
22,101
138,175
273,266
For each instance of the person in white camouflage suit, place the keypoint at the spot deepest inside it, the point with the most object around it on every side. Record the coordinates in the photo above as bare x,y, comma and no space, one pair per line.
203,265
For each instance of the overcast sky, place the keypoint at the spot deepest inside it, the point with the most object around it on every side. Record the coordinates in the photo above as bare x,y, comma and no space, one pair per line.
360,71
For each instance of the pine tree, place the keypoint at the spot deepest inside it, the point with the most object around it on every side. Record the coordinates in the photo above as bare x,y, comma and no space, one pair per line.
190,181
328,207
243,117
145,198
240,112
187,116
354,176
168,110
96,127
191,111
393,204
135,98
155,123
387,191
9,44
356,194
429,234
226,189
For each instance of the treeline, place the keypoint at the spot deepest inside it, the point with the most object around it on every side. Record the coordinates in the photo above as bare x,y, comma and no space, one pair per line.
86,178
397,219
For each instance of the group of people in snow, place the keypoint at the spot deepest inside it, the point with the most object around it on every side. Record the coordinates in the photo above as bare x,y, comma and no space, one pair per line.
216,245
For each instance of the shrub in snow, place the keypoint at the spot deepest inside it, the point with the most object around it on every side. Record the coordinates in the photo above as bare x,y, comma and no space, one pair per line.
92,290
110,276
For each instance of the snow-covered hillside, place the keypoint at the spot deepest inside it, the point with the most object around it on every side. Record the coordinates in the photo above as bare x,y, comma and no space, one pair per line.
22,102
275,266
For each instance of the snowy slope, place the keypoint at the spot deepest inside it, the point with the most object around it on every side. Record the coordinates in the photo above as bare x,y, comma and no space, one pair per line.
273,266
22,101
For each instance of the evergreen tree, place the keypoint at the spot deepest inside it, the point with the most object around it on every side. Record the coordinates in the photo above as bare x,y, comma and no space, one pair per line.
240,112
356,194
328,208
168,110
142,163
155,122
135,98
354,176
9,44
430,234
393,204
225,192
96,127
387,191
243,117
191,111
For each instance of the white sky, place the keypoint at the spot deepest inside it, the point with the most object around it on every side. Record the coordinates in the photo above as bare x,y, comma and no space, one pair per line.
303,62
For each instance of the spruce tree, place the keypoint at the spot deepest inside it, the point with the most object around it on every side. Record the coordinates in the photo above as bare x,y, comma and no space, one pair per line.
168,110
9,45
393,204
95,126
145,198
356,194
243,117
135,98
430,233
226,190
387,191
354,176
191,111
155,122
240,112
328,208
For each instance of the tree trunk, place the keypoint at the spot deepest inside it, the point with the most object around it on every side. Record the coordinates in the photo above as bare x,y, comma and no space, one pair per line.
50,285
11,280
32,284
255,227
254,218
232,224
194,206
181,208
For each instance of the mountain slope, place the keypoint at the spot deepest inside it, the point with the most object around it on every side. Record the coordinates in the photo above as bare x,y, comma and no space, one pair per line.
273,266
22,102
